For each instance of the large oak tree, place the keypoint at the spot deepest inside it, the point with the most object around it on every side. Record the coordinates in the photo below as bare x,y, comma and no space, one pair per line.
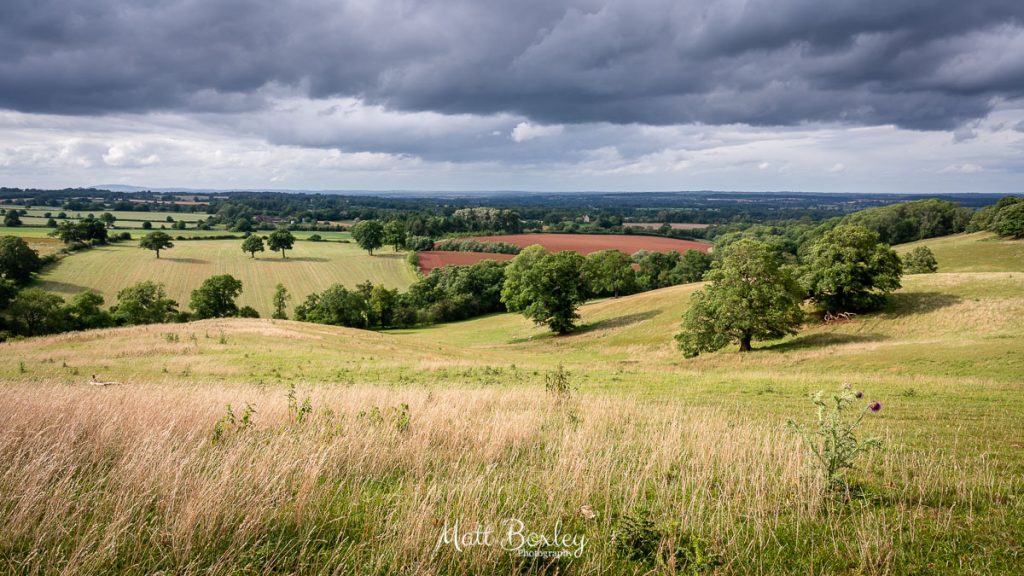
749,296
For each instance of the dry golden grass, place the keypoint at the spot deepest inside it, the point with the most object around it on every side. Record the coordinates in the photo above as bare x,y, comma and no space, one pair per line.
129,479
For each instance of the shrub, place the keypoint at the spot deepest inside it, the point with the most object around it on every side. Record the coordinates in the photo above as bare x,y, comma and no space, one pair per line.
559,384
920,260
419,243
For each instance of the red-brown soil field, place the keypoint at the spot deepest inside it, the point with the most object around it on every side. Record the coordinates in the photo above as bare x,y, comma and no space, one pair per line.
582,243
437,259
587,243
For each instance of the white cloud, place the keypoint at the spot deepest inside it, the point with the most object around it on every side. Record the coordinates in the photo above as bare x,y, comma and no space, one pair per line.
129,154
526,131
347,144
962,169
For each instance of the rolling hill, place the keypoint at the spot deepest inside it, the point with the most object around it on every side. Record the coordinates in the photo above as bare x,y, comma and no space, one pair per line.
407,431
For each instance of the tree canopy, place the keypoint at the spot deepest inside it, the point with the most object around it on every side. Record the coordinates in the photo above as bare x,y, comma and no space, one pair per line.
156,241
215,297
394,234
750,296
369,234
252,245
546,287
18,261
609,273
849,269
144,303
280,240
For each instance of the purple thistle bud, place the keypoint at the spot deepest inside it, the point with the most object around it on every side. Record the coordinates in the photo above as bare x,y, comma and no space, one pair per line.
858,394
875,406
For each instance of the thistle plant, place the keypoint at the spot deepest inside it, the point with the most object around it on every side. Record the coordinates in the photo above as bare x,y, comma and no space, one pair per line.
298,412
558,383
833,442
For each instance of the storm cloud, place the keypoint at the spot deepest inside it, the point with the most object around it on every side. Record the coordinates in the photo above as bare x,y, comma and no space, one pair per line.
917,64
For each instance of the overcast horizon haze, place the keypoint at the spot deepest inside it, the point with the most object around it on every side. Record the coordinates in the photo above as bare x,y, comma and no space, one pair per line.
872,96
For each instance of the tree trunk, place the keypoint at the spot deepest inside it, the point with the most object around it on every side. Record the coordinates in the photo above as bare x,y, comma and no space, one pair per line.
745,344
157,254
282,253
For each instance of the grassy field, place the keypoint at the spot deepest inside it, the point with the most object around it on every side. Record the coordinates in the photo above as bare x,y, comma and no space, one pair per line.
977,252
40,231
409,430
310,267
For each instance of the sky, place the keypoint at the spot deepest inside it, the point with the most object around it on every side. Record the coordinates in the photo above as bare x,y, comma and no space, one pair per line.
802,95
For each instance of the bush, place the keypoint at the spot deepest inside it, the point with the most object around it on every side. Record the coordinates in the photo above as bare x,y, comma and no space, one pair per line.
419,243
920,260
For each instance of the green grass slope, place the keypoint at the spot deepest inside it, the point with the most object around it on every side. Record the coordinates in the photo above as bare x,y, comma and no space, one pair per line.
977,252
310,267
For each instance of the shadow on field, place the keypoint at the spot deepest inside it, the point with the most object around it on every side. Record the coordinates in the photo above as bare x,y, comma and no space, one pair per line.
617,322
821,340
66,287
296,259
907,303
185,260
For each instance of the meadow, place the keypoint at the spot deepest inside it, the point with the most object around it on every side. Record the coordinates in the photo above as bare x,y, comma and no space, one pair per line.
408,431
310,267
976,252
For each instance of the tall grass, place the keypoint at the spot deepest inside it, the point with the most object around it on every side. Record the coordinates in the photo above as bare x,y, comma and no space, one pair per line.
132,480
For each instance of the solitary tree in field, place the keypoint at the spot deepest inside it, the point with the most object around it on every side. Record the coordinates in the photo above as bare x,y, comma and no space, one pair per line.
280,240
749,296
369,234
609,272
281,298
108,219
156,241
215,297
252,245
394,234
18,261
849,269
547,288
12,218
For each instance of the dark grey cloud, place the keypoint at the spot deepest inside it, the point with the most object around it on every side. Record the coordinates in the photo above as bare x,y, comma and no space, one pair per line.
925,64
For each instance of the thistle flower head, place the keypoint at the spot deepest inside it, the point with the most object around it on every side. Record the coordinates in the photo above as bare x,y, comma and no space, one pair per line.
875,406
